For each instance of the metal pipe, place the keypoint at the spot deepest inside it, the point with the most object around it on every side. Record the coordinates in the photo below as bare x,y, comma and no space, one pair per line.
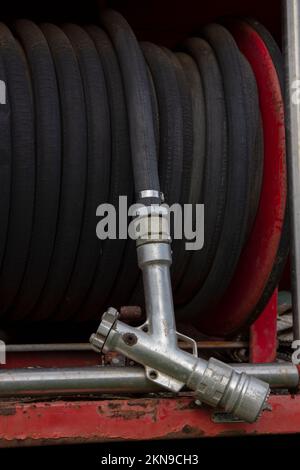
291,40
116,380
74,381
72,347
154,259
158,296
276,375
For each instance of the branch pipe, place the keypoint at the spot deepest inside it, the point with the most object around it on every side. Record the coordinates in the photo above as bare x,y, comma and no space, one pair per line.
155,345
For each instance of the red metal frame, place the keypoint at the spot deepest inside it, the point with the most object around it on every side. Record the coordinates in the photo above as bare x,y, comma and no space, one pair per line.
24,424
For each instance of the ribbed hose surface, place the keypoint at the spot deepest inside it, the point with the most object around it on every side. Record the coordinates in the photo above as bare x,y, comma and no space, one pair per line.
83,104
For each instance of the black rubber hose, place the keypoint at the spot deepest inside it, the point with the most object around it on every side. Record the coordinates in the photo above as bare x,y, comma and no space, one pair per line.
138,99
170,120
121,181
215,171
137,296
179,254
194,80
5,158
84,107
170,148
98,167
139,104
73,171
47,165
198,161
254,138
22,168
155,112
236,214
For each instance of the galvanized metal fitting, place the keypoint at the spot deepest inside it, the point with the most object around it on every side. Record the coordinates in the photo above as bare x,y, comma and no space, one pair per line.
151,194
237,393
149,253
245,396
151,225
213,381
108,320
157,348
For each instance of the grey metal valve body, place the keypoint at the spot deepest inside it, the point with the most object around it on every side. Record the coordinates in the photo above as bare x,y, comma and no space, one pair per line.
155,343
214,382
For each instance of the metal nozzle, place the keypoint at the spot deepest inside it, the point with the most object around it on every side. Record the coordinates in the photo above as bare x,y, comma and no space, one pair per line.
221,386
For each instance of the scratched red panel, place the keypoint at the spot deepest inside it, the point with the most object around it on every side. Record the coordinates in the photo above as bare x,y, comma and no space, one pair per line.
134,419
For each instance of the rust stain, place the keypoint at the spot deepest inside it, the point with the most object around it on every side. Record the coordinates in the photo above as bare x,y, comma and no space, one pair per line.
186,432
114,405
187,429
130,314
139,410
143,403
128,414
191,405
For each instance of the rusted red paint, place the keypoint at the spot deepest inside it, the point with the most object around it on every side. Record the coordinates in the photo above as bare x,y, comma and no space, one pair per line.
263,334
105,420
258,256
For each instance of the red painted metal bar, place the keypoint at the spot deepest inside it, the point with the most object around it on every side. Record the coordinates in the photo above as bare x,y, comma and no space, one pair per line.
263,334
133,419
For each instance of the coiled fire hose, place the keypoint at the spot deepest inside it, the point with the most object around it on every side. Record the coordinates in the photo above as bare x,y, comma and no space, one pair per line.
67,147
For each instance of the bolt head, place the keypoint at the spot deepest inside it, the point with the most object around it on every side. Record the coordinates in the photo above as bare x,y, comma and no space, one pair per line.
130,339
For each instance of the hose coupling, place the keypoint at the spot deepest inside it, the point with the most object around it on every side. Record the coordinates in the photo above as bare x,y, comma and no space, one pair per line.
151,194
151,224
236,393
